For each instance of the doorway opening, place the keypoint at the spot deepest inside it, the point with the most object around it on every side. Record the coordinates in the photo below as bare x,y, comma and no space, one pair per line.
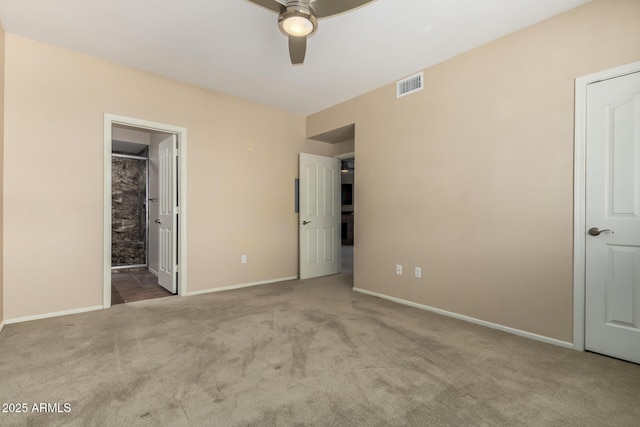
323,176
145,210
347,184
134,201
347,206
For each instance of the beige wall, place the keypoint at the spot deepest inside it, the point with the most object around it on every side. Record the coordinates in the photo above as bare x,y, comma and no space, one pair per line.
344,147
239,201
2,35
472,178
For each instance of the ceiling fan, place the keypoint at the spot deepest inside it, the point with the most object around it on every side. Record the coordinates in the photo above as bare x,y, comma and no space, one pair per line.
298,19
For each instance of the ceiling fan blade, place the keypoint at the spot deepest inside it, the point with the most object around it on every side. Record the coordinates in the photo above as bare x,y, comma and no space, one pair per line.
297,49
326,8
270,4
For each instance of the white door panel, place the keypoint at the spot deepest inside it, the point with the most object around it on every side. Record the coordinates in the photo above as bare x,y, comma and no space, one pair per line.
319,215
168,214
612,319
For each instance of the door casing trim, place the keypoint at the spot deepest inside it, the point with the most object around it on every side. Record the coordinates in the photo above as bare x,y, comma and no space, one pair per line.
579,194
109,121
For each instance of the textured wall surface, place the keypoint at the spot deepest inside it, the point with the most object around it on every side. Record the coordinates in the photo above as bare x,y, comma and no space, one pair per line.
128,211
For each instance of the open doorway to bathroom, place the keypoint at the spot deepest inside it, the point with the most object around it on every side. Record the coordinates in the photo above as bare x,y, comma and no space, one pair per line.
154,253
135,211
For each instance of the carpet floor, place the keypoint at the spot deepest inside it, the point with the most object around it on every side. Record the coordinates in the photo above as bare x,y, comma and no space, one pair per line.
299,353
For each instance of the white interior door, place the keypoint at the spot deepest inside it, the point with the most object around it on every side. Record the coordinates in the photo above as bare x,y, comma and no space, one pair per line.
319,215
612,311
168,214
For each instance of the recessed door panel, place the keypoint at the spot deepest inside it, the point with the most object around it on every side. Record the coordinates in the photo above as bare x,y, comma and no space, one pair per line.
329,244
311,186
623,286
312,245
329,196
622,147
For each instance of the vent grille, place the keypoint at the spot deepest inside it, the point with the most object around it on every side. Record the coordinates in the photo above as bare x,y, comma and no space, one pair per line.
410,85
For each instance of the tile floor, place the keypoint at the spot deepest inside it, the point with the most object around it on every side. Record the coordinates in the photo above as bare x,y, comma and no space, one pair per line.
135,285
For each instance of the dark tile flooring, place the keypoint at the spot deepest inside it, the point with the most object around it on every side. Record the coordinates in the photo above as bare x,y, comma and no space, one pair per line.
135,285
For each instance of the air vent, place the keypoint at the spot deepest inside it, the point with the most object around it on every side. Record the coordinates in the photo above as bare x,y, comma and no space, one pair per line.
410,85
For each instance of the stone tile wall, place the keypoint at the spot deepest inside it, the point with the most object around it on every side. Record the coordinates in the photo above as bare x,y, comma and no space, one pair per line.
128,211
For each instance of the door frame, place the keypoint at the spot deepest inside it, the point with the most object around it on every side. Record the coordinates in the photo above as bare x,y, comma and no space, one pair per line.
579,198
109,121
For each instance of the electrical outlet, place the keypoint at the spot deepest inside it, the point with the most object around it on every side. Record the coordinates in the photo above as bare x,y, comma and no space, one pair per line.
418,272
399,269
243,259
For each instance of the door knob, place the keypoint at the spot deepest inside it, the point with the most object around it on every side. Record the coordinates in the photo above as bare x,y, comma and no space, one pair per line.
595,231
306,222
158,221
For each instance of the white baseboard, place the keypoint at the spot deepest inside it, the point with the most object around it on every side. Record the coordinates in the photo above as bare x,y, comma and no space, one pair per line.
55,314
471,319
243,285
1,326
152,271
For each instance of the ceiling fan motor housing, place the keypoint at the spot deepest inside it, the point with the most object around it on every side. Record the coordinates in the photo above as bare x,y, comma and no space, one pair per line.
302,9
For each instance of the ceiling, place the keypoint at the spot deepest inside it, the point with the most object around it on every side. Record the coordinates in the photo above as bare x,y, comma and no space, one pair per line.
126,147
131,139
235,46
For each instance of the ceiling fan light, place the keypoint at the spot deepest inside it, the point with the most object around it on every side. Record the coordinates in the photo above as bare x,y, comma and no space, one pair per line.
297,26
298,20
